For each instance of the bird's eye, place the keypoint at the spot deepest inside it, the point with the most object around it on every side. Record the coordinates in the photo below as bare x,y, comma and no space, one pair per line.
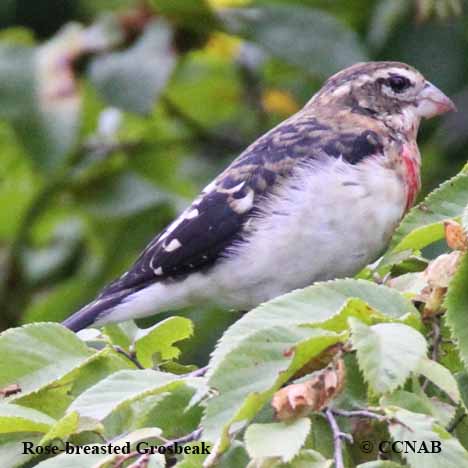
398,83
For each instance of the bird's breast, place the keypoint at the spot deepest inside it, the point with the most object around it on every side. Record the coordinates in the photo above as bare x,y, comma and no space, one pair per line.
327,222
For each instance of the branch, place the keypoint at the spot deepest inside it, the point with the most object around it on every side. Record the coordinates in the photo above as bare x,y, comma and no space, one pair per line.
196,373
337,437
130,356
358,414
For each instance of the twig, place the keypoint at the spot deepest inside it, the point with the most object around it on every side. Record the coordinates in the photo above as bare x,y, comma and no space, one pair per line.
358,414
130,356
337,436
196,373
141,462
195,435
437,340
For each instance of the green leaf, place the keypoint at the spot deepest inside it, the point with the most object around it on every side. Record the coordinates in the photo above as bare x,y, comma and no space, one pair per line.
121,195
419,402
283,439
121,334
465,219
101,460
408,426
39,354
174,413
309,38
440,376
380,464
254,357
423,225
314,305
62,429
15,418
160,339
11,448
308,458
248,376
455,302
38,95
387,353
196,14
134,78
122,388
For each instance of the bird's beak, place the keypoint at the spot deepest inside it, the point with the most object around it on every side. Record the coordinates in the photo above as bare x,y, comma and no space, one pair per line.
432,101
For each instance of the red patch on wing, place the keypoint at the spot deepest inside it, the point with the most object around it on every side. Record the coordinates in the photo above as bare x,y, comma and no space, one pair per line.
412,177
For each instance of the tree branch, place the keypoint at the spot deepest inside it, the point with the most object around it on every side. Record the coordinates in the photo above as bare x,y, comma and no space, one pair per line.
337,437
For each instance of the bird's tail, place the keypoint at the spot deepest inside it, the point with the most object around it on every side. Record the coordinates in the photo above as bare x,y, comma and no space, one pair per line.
94,311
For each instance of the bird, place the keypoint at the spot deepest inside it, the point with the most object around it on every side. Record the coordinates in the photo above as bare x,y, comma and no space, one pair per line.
315,198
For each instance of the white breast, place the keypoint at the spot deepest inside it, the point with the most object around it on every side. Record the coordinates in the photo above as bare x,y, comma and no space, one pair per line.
329,222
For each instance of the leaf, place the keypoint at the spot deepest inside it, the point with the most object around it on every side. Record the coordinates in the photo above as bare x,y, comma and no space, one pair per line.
55,397
380,464
314,305
420,428
160,339
38,94
419,402
455,235
423,225
121,334
465,219
11,448
196,14
306,37
247,378
312,394
134,78
385,18
173,413
283,439
101,460
440,376
124,387
62,428
39,353
121,195
254,356
387,353
15,418
455,302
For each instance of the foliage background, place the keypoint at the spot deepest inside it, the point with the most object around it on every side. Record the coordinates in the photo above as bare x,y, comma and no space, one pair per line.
115,113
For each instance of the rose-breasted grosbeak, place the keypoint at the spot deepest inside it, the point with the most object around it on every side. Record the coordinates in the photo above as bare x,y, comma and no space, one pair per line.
317,197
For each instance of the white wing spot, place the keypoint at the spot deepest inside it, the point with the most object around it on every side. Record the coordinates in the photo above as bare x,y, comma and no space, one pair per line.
173,245
192,214
244,204
158,271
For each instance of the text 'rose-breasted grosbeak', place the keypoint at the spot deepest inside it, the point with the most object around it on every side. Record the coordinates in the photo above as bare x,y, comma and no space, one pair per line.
317,197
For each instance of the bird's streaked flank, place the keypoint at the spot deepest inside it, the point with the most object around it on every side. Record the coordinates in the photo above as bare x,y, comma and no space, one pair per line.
317,197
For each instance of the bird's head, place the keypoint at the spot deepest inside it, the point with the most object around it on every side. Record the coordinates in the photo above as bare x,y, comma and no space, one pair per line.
392,91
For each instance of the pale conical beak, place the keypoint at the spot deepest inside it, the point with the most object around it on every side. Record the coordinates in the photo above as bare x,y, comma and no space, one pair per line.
432,101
